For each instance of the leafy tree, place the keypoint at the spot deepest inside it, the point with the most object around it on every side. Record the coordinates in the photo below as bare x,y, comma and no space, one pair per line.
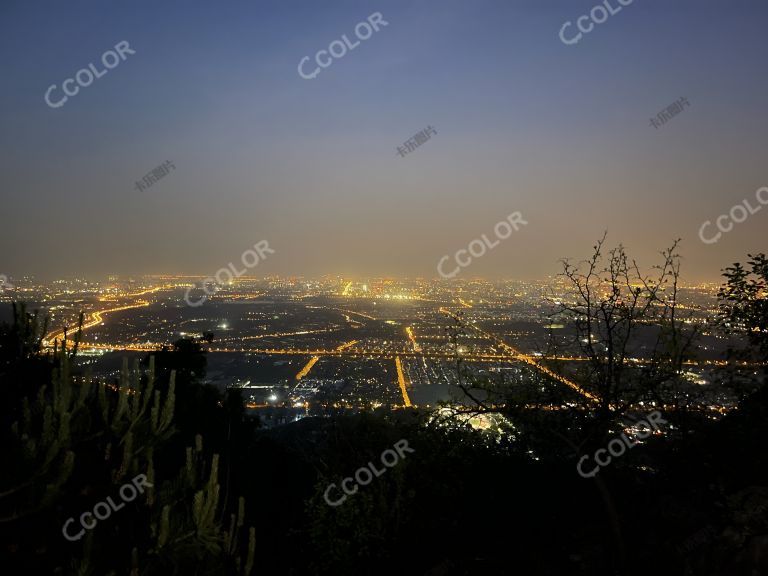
744,305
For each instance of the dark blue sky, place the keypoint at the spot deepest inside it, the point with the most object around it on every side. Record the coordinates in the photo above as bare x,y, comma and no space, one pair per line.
524,123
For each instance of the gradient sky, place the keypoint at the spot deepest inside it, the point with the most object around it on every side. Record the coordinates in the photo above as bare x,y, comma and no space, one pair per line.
524,123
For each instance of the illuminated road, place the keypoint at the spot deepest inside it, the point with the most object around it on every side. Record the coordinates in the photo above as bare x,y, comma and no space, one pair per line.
347,345
416,347
356,313
530,360
401,381
376,353
279,334
94,319
355,353
136,294
304,371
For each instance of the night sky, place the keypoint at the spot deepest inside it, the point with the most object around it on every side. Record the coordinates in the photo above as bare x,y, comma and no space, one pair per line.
524,122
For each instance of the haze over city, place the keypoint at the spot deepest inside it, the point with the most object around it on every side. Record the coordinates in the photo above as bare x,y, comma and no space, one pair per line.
523,123
363,288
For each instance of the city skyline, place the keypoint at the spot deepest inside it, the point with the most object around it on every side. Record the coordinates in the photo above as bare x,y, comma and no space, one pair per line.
196,280
284,341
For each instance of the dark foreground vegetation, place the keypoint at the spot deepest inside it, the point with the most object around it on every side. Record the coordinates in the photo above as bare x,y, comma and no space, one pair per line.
229,497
